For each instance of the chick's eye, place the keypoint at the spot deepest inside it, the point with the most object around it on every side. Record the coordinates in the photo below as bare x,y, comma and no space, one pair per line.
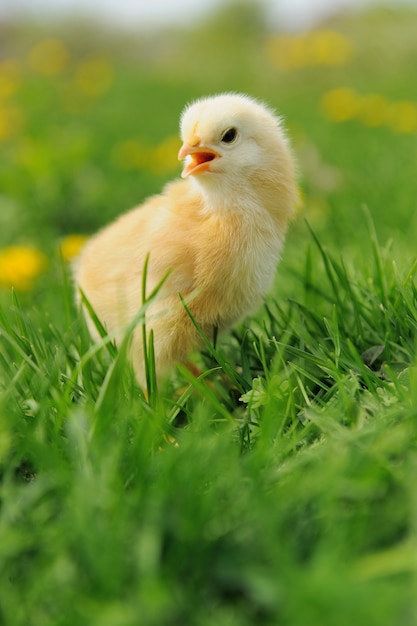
229,135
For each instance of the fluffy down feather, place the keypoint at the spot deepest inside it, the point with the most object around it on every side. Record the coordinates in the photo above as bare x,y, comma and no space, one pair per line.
219,232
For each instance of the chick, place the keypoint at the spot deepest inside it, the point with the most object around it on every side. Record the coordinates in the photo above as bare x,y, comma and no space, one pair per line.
219,232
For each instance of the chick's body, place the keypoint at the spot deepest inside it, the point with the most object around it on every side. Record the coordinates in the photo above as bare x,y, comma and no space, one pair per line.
219,233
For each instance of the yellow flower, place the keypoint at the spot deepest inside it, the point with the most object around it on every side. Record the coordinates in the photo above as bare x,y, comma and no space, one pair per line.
9,78
49,57
318,48
341,104
94,77
20,266
71,246
328,47
402,116
163,158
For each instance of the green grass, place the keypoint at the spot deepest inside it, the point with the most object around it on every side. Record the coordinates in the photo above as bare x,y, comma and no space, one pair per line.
279,486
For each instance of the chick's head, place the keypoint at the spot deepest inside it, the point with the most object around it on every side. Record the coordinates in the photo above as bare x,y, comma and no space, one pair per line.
228,137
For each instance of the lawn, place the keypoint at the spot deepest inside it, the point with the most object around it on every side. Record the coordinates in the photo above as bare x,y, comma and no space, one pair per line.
279,487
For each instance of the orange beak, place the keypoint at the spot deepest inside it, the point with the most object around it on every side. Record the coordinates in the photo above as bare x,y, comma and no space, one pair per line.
198,159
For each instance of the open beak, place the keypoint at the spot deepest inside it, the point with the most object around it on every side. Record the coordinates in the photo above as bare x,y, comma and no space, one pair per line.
198,159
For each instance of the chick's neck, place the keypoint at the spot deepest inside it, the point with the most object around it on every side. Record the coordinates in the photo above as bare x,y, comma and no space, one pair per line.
253,197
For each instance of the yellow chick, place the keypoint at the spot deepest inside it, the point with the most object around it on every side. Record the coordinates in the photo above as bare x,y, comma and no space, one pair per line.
219,232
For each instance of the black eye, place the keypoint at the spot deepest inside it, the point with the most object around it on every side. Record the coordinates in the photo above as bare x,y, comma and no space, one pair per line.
229,135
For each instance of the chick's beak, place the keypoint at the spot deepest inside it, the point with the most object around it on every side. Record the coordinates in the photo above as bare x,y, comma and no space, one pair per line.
198,159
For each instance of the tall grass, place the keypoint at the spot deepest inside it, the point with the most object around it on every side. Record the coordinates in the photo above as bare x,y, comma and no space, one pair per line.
279,488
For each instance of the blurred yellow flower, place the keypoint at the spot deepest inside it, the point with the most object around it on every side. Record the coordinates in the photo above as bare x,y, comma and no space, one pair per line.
343,104
316,48
10,74
71,246
20,266
402,117
49,57
11,121
340,104
163,158
329,47
94,77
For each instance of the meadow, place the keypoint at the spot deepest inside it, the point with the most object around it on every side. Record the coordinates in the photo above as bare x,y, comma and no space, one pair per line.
279,487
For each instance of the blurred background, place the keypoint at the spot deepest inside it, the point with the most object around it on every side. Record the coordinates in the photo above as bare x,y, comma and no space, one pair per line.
91,93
